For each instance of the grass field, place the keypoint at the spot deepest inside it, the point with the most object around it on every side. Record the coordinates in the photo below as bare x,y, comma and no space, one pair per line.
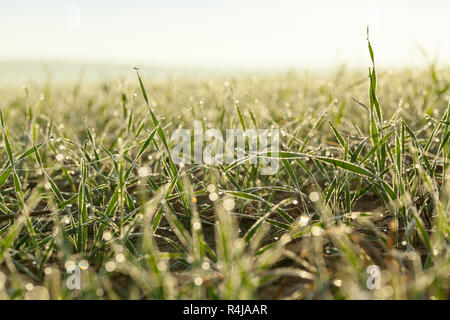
87,183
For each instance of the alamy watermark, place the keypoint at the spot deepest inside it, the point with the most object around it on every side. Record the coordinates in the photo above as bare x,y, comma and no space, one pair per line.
374,279
74,281
73,21
211,147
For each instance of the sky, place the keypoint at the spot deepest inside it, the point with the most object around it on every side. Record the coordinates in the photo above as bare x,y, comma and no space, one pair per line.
231,33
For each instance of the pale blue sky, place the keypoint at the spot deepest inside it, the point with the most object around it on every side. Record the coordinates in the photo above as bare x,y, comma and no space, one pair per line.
255,33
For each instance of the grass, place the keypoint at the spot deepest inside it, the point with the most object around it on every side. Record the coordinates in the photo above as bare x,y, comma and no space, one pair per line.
86,178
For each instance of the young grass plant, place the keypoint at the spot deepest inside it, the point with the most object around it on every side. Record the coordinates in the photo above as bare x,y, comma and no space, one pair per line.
91,183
